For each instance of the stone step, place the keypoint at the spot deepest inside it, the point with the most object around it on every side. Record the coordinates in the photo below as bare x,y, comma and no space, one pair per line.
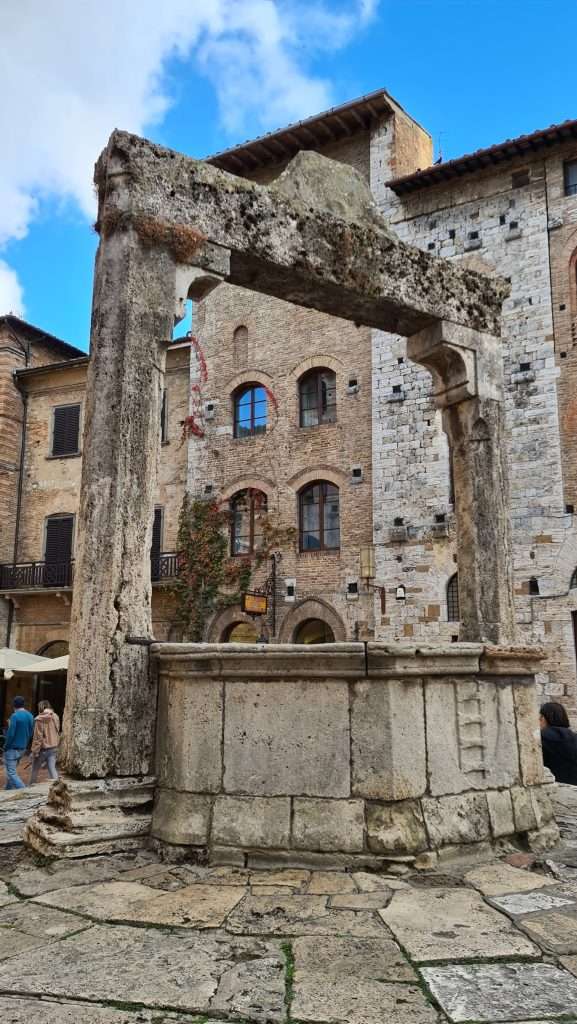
82,818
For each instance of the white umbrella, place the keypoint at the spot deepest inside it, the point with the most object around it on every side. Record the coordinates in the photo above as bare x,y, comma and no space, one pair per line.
43,665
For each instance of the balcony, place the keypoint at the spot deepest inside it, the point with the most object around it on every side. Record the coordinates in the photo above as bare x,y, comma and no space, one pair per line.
36,576
60,575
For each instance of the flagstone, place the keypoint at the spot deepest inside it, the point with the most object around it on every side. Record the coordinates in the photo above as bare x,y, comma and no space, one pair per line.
503,992
178,970
498,878
555,932
330,882
530,902
299,915
445,924
106,901
361,900
196,906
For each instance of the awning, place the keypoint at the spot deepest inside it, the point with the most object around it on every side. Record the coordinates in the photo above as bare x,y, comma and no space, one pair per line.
12,660
43,665
20,661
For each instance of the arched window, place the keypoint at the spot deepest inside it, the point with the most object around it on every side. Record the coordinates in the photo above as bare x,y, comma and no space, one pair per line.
573,581
453,611
319,521
246,511
314,631
250,411
318,398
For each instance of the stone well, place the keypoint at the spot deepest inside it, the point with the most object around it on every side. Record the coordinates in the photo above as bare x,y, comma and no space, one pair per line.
344,754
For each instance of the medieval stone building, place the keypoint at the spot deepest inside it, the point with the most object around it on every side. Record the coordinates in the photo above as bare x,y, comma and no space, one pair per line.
328,428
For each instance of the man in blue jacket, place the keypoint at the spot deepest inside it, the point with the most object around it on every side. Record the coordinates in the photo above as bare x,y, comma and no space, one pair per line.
16,742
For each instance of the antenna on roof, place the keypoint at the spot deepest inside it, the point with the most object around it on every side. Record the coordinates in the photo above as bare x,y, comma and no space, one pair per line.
439,159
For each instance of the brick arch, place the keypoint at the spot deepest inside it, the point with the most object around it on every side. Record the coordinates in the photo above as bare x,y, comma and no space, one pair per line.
311,608
308,476
223,620
248,376
319,361
243,483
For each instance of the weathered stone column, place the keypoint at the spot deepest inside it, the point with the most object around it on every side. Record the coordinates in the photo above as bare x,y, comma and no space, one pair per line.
139,284
468,376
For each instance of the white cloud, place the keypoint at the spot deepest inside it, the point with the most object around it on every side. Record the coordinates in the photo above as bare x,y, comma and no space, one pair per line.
75,69
11,298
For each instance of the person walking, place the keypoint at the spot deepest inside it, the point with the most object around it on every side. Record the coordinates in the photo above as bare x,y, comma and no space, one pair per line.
45,741
16,742
559,743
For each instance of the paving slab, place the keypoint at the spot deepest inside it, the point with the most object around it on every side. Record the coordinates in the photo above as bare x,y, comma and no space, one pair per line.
503,992
554,931
176,971
330,882
376,959
299,915
5,895
498,879
452,924
531,902
32,881
288,877
106,901
367,882
15,1010
361,900
196,906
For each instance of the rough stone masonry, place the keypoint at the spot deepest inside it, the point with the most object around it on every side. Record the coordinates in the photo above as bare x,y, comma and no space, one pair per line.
173,228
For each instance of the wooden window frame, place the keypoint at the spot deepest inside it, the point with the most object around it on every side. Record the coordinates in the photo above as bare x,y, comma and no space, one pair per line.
321,484
70,454
316,374
237,397
253,508
569,190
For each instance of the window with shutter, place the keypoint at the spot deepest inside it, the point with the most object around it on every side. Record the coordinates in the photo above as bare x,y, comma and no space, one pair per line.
156,546
59,532
66,430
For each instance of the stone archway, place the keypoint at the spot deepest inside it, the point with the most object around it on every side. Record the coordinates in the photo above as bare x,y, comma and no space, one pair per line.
312,608
223,622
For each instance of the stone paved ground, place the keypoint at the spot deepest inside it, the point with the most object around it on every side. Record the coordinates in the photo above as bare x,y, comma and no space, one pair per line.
126,939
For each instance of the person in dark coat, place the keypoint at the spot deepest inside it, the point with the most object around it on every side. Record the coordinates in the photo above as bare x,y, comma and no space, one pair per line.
559,743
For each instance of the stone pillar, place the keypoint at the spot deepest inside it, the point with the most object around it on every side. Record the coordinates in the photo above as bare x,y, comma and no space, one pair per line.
140,290
468,377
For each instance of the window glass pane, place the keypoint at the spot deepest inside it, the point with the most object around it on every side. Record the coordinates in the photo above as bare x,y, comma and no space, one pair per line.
259,512
310,523
571,178
251,412
331,517
329,396
309,401
240,525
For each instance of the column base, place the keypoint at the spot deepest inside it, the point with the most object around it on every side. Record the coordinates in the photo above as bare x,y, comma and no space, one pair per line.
94,816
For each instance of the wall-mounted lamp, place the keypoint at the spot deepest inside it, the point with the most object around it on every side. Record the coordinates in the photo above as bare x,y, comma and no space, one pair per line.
401,593
367,562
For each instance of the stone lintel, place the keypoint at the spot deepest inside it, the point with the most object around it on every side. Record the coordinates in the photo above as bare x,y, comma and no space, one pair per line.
342,660
284,247
465,363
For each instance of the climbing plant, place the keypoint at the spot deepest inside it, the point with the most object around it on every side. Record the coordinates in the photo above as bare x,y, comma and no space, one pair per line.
208,579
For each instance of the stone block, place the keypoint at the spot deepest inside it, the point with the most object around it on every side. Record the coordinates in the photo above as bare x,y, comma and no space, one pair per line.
396,828
388,739
528,733
284,738
471,736
545,838
542,804
189,734
328,825
251,821
181,818
500,813
499,879
457,819
523,810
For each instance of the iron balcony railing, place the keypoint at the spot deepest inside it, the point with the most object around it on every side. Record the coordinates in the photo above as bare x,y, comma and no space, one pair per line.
164,566
30,575
60,575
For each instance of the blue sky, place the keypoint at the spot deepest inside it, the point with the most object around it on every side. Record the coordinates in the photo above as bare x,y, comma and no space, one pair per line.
473,73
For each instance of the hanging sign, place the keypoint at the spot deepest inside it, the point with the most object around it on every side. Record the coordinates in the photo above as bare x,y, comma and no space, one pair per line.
254,604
